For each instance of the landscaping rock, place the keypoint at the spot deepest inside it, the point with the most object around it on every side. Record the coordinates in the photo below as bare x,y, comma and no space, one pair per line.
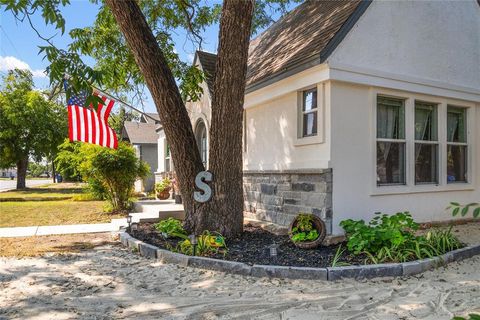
289,272
147,250
365,271
166,256
220,265
124,238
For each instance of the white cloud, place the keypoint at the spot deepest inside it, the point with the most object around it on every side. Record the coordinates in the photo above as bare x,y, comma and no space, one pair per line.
10,63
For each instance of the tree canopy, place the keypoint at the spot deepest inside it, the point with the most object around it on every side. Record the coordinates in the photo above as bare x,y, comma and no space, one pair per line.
115,68
31,127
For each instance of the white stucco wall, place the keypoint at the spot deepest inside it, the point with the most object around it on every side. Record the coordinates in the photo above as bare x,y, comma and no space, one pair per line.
355,194
271,134
436,40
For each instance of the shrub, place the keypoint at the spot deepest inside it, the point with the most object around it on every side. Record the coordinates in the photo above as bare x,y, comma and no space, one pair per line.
110,173
392,239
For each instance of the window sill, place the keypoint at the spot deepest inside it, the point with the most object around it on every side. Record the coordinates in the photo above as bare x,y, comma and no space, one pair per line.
430,188
307,141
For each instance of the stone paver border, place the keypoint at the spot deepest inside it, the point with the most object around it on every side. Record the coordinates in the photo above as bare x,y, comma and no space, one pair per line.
329,273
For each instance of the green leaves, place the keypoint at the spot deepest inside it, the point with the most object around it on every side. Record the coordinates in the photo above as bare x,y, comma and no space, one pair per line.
30,125
171,228
391,238
456,208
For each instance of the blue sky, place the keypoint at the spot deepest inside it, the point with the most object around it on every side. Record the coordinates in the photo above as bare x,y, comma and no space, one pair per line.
19,42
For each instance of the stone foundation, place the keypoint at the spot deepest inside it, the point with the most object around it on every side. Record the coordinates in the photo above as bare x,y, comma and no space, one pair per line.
278,196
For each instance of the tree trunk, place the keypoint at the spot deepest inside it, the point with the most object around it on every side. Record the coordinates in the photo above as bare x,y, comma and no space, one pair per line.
225,212
53,172
22,173
166,96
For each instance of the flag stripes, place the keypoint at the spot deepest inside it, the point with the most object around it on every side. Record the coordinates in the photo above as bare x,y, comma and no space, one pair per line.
88,125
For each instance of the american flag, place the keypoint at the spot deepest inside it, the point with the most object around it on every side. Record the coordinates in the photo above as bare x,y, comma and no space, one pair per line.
90,125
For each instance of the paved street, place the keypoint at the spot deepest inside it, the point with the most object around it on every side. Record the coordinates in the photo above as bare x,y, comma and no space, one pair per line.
11,184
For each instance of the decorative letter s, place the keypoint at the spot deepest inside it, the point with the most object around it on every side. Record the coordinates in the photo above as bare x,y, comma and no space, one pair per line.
206,192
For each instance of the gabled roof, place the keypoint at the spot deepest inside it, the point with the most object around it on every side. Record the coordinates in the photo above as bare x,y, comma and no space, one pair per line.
303,38
148,118
139,132
208,61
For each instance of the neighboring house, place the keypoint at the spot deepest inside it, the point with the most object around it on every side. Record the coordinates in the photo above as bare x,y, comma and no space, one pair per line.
8,173
143,137
356,107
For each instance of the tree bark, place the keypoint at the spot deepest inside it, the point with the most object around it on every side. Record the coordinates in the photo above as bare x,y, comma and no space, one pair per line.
53,172
166,96
225,212
22,173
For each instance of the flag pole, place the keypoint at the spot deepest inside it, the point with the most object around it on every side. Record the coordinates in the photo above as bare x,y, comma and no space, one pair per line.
125,104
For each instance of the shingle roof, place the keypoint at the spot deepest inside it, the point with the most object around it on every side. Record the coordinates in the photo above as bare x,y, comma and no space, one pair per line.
208,61
309,33
303,33
152,115
140,132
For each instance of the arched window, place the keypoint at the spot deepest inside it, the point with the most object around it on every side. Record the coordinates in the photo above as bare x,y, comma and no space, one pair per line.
202,143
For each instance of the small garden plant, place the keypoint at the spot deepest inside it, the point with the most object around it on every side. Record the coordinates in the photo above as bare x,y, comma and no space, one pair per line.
207,243
171,228
392,238
304,230
166,184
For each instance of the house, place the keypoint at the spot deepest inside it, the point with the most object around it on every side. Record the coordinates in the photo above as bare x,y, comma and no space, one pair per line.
357,107
8,172
143,136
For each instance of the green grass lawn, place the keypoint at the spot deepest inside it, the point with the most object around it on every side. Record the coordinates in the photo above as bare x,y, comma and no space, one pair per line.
59,191
50,205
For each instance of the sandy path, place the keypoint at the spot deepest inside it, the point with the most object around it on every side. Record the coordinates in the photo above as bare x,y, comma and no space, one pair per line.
111,283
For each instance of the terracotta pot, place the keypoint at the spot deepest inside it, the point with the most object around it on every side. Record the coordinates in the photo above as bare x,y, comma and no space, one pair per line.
319,225
164,195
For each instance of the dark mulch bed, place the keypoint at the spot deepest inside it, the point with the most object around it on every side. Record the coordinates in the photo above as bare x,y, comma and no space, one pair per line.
252,247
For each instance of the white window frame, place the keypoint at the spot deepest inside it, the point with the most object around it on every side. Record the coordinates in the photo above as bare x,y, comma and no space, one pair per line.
320,110
430,142
464,144
442,104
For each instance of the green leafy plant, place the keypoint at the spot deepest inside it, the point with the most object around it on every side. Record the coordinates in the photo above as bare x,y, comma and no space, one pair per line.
207,243
383,231
171,228
392,239
336,258
457,208
166,184
303,230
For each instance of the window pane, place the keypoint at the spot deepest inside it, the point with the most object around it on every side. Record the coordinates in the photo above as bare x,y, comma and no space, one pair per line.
390,163
426,163
456,164
390,118
425,121
310,124
456,124
309,100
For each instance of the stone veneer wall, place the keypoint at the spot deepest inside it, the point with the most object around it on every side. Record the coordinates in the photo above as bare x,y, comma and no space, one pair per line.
278,196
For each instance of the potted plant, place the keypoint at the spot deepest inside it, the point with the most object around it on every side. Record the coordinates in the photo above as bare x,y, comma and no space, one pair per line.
307,231
163,189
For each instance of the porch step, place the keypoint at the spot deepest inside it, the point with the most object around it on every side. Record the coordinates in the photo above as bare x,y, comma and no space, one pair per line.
157,210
